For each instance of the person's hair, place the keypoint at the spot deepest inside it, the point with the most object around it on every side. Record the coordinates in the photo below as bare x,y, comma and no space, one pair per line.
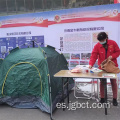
101,36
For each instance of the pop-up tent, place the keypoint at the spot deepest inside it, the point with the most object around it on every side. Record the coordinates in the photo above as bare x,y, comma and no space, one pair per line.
26,76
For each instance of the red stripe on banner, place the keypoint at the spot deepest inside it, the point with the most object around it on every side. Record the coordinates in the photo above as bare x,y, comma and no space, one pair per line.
43,24
108,18
51,22
116,1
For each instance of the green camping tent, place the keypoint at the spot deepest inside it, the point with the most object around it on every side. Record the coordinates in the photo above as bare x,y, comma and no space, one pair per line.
26,76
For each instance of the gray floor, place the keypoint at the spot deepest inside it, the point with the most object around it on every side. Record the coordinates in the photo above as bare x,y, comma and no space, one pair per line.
9,113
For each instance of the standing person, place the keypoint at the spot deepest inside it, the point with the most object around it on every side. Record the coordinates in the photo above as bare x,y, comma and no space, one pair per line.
105,49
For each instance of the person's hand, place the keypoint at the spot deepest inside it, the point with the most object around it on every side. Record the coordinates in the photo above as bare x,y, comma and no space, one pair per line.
110,57
90,66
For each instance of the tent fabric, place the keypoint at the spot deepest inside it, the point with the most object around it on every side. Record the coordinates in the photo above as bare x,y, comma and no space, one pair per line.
24,78
1,60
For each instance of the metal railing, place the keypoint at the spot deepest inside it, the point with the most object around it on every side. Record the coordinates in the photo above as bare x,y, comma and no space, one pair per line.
9,7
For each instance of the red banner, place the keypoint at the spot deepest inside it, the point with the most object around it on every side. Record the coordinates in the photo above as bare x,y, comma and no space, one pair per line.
116,1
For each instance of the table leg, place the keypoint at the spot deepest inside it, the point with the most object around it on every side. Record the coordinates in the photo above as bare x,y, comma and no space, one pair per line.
105,93
68,89
98,90
63,92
